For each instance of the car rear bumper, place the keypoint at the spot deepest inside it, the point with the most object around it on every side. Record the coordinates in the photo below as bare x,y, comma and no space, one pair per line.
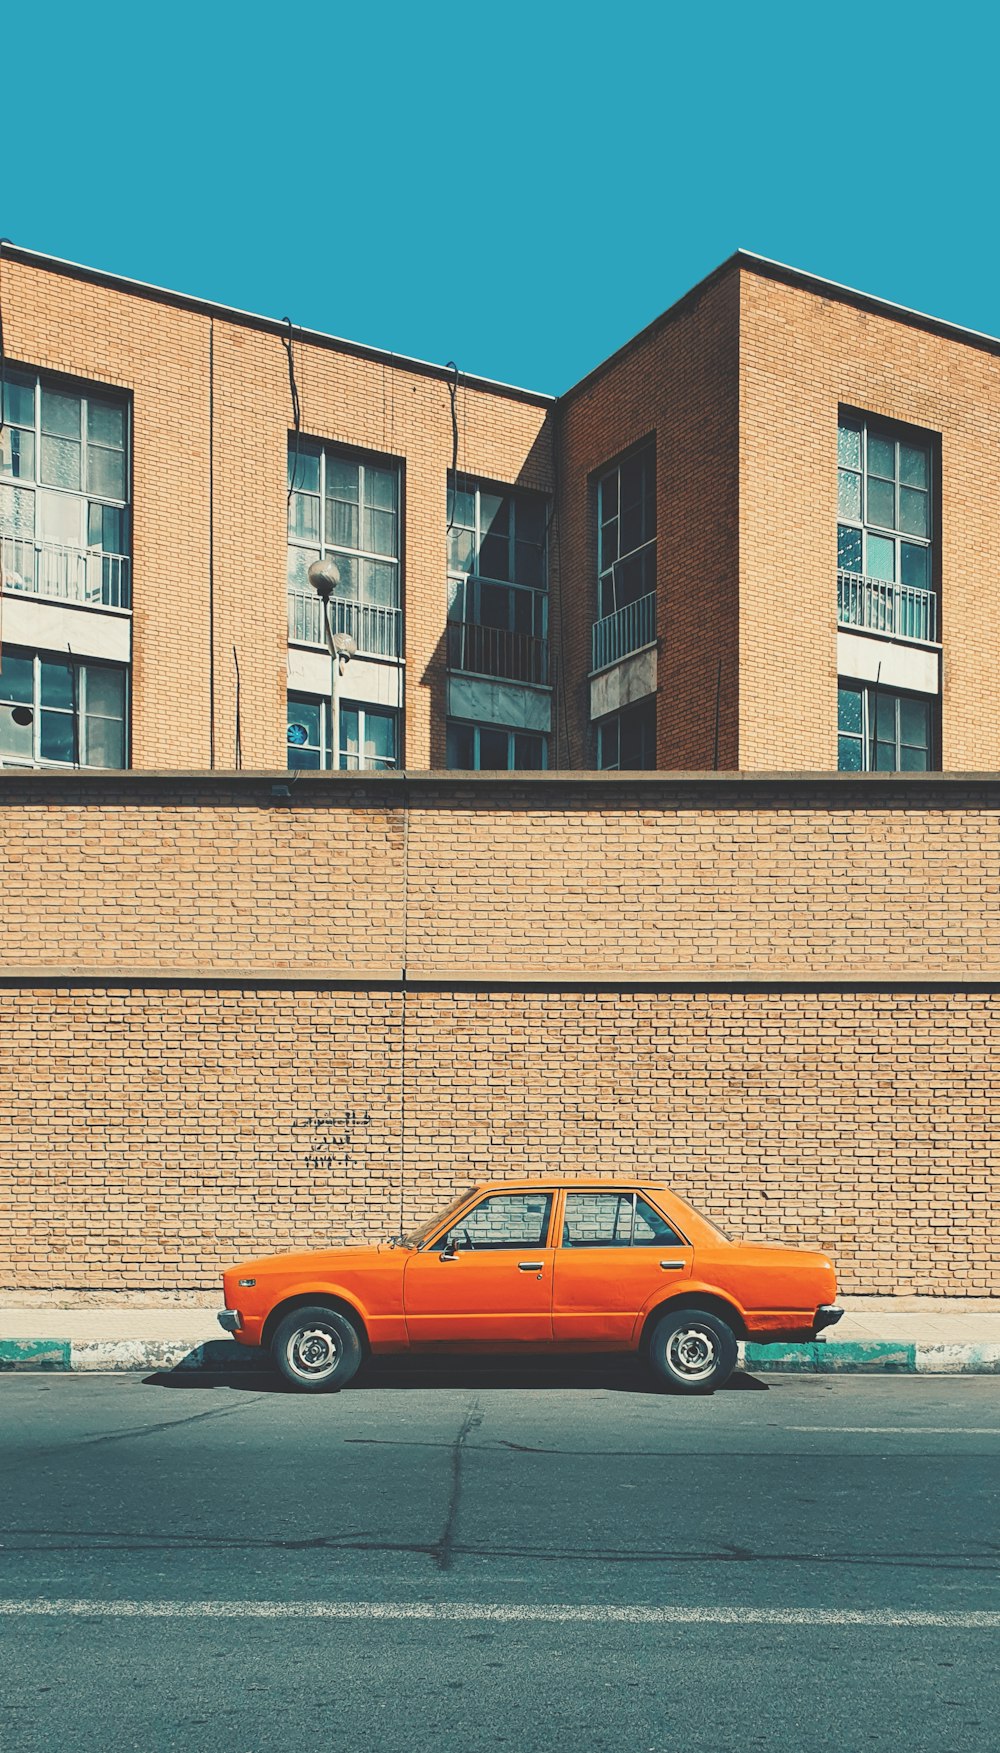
230,1320
826,1316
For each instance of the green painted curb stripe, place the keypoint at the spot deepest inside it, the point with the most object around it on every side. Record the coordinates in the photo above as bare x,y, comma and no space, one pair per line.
34,1354
829,1356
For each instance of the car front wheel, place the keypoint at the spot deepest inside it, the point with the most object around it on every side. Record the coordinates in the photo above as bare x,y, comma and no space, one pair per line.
693,1351
316,1349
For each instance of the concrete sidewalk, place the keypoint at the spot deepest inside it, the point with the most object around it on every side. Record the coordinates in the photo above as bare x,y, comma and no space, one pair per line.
935,1335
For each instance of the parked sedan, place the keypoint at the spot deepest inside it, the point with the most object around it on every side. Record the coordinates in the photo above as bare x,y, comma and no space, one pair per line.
543,1266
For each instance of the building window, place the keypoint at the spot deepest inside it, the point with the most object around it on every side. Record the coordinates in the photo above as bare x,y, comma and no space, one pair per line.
881,730
58,712
497,583
367,735
884,532
627,740
626,532
345,509
485,748
64,493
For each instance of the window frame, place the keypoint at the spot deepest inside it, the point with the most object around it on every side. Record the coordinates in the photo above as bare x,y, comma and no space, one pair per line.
84,393
868,691
644,452
635,1194
364,708
484,1196
614,719
507,730
869,428
77,713
324,548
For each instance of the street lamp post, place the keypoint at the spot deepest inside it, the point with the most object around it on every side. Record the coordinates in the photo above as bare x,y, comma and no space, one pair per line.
324,576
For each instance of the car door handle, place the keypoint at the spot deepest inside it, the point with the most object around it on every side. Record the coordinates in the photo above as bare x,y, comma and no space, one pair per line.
531,1266
672,1265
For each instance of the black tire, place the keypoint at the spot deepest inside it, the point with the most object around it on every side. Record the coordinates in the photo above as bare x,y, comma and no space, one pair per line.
692,1351
316,1349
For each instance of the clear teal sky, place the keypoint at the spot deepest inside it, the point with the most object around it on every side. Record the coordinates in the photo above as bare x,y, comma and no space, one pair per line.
517,188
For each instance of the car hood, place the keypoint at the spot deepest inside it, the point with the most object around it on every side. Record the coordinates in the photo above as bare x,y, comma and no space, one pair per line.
309,1259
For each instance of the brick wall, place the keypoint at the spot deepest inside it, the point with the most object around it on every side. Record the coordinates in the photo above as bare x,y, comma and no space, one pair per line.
783,994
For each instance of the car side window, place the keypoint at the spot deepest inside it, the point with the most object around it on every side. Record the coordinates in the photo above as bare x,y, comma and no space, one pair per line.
501,1220
614,1220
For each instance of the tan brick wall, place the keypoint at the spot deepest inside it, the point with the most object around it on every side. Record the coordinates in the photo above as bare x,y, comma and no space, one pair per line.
158,1118
240,415
801,356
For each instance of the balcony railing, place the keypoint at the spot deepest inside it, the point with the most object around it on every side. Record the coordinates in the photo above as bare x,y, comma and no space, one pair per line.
901,610
69,575
498,652
375,629
627,630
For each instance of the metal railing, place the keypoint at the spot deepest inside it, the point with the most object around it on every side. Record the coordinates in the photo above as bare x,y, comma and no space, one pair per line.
627,630
376,630
902,610
71,575
496,651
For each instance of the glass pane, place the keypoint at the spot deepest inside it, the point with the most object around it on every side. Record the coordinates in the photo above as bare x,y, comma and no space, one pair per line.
849,709
19,401
885,717
631,528
881,558
17,453
380,489
606,593
530,517
104,742
637,737
848,494
529,564
461,509
881,457
60,414
914,468
494,514
379,584
16,740
61,519
609,543
348,736
17,512
303,518
494,557
881,503
16,685
106,423
380,532
57,684
106,472
607,744
885,757
347,589
597,1220
304,469
652,1230
493,746
914,565
461,746
913,760
301,757
505,1220
848,549
608,496
380,737
849,446
299,562
341,524
461,543
914,511
56,739
341,479
494,606
633,478
61,463
914,722
527,752
105,693
631,580
304,719
849,754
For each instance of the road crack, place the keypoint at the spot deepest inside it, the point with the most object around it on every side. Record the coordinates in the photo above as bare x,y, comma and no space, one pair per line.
444,1550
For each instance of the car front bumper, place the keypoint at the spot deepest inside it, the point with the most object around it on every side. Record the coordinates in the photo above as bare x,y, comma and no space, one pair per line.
230,1320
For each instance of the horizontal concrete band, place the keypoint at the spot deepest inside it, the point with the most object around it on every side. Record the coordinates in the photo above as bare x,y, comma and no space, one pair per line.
856,1357
470,980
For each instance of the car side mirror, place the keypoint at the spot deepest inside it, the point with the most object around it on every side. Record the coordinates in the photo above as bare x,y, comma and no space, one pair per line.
448,1252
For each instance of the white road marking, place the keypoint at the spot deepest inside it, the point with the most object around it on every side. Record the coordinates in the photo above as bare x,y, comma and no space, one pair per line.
900,1429
502,1615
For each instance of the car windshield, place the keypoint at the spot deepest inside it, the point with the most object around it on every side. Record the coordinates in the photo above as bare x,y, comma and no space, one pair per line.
415,1237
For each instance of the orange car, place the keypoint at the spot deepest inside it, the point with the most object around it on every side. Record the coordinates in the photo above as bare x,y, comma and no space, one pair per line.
560,1265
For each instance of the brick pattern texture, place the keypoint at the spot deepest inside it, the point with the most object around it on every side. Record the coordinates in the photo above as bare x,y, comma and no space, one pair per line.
222,1060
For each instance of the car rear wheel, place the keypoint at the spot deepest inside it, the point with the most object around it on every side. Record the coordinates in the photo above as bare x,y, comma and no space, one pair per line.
316,1349
693,1351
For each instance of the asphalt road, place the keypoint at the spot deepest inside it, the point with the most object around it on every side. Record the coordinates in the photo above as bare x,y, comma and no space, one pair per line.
492,1556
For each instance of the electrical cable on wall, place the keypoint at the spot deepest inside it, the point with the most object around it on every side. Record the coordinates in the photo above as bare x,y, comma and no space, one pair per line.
453,396
211,542
3,351
286,342
239,738
555,517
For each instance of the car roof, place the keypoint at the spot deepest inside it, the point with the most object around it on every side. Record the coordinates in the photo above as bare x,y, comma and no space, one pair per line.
540,1182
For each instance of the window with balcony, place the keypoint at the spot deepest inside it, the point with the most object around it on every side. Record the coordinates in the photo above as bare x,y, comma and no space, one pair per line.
627,740
64,493
626,558
485,748
885,555
344,508
882,730
368,735
498,602
58,712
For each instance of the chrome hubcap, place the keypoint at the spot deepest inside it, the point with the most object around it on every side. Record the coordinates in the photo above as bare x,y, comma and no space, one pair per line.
313,1352
692,1352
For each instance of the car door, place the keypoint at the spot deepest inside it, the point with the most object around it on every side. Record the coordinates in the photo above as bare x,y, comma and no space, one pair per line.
487,1279
616,1253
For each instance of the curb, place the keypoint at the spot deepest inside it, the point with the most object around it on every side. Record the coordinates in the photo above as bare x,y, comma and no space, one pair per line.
829,1357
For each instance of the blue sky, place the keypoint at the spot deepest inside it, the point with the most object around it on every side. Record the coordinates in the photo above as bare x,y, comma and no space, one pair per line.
520,189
